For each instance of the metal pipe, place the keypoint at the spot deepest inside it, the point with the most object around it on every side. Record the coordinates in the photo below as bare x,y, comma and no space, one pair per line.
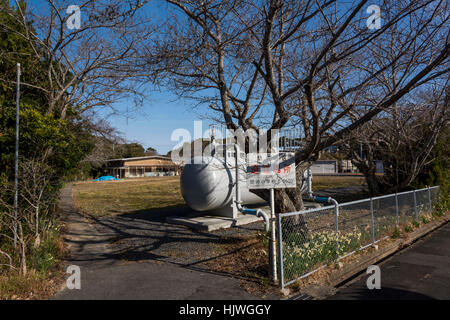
429,199
273,250
280,253
310,192
258,212
396,209
415,205
372,220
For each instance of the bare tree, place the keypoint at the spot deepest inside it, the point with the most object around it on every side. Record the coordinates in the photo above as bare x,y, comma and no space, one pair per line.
85,68
105,139
312,64
35,179
11,226
402,138
82,69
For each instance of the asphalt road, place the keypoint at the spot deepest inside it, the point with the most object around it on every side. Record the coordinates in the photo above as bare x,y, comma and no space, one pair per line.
104,275
421,271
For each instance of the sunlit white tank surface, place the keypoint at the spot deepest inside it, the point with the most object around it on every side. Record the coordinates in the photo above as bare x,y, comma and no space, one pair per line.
207,184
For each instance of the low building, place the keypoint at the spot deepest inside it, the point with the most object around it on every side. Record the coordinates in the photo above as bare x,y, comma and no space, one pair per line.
147,166
347,166
324,167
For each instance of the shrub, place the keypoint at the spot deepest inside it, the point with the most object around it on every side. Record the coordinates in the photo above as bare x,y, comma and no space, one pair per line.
409,227
48,253
321,247
396,233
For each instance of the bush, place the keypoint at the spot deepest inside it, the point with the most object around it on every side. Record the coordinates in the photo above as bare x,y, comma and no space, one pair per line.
409,227
321,247
396,233
437,172
48,253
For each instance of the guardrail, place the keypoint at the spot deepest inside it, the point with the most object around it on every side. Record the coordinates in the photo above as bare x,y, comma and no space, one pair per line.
311,239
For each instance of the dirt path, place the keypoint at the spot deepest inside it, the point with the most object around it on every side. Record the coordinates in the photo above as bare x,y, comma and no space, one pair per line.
140,257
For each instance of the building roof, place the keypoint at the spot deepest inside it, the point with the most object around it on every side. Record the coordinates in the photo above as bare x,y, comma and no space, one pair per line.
141,158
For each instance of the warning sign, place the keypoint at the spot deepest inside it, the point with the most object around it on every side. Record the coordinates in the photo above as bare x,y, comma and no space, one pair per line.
265,171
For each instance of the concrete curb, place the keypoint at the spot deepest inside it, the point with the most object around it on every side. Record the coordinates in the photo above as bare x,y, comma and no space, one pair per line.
348,271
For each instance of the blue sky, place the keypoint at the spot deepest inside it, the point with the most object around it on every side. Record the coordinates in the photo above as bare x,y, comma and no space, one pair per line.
161,114
153,125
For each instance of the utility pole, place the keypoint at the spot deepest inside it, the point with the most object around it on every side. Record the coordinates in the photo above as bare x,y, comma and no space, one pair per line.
16,164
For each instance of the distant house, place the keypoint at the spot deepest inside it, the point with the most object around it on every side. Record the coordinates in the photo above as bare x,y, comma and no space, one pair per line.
341,166
325,167
146,166
347,166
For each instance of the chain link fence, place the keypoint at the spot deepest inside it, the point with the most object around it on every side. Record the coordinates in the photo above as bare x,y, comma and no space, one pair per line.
309,240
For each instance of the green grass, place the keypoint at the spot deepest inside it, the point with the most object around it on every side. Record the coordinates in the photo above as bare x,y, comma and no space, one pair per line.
116,197
43,271
326,182
32,286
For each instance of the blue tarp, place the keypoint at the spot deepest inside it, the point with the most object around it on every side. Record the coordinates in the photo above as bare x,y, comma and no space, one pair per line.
106,178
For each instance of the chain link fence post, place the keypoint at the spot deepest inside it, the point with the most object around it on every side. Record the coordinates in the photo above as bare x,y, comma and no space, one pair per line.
272,249
396,209
336,222
280,252
372,221
429,199
415,204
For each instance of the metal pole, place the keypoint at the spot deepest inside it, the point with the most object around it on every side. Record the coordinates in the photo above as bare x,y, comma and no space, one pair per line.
272,249
16,160
280,253
309,182
429,199
415,204
373,223
336,222
396,208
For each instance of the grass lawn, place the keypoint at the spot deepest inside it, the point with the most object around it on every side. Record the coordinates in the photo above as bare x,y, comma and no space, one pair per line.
116,197
326,182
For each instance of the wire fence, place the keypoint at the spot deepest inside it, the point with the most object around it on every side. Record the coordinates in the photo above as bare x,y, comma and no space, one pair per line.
311,239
